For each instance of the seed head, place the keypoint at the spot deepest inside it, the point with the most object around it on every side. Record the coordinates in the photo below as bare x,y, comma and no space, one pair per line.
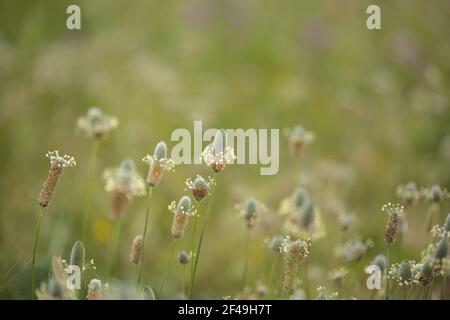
299,197
298,139
425,275
307,215
395,213
447,223
55,289
200,187
217,154
251,212
158,164
408,193
148,294
275,243
136,249
94,289
57,165
405,271
96,124
295,251
77,256
183,257
181,211
442,249
436,194
381,262
338,276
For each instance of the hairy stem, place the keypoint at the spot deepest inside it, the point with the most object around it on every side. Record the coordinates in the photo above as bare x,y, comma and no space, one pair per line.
141,260
33,260
89,188
169,261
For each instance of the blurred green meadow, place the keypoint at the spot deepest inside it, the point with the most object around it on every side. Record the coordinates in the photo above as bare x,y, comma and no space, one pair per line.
377,101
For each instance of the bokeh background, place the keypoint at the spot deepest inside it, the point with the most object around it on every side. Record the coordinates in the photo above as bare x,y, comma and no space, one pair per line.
377,101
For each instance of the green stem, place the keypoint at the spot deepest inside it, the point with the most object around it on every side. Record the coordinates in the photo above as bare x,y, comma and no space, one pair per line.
272,273
89,189
33,262
306,282
202,233
141,260
387,270
194,232
114,245
444,286
424,293
172,250
244,274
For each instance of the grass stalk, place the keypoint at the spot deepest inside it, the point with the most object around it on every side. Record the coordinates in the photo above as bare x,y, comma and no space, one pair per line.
90,189
33,259
166,270
244,274
141,260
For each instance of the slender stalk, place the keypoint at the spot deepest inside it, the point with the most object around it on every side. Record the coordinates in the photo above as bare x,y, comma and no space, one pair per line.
274,261
305,280
288,278
141,260
194,232
202,233
33,260
409,293
89,189
444,286
387,270
114,245
244,274
169,261
430,290
424,293
183,288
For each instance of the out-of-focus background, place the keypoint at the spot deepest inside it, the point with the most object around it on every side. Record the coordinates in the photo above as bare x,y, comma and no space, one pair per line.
378,102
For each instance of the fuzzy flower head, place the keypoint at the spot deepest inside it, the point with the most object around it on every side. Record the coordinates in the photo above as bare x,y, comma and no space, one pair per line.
380,261
181,212
94,290
404,273
251,211
96,124
435,194
295,250
303,217
199,187
124,179
275,243
217,154
338,276
57,165
437,254
408,193
136,249
345,220
353,250
57,160
78,258
183,257
298,139
158,164
124,183
424,273
395,213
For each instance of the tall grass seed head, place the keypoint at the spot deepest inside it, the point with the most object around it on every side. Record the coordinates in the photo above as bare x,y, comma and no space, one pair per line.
136,248
298,139
408,193
404,273
199,187
295,250
380,261
124,183
436,194
299,197
393,222
251,212
94,289
158,164
148,294
307,215
181,212
77,255
425,274
217,154
96,124
57,165
183,257
442,249
275,243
